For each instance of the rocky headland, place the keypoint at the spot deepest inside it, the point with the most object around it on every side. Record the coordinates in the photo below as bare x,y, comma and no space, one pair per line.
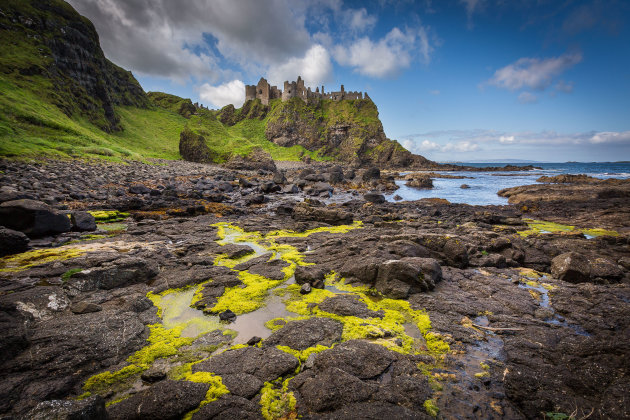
179,289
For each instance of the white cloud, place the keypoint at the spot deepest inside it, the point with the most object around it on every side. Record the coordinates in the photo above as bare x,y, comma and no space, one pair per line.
527,98
430,146
506,139
387,56
360,20
461,147
611,137
155,37
228,93
562,86
533,73
471,6
315,68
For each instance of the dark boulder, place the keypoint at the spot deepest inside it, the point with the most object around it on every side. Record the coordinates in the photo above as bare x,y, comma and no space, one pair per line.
34,218
300,335
420,181
266,364
304,212
571,267
139,189
12,242
92,408
357,357
229,407
82,221
242,384
349,305
118,273
193,147
371,173
455,253
375,198
399,278
311,275
164,400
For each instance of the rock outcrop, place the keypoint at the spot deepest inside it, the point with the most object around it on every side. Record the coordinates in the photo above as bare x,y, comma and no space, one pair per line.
71,67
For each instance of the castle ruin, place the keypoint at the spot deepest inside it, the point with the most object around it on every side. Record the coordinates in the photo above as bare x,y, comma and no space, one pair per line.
266,92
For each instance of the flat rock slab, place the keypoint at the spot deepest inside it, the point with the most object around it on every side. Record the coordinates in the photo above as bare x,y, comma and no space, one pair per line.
229,407
349,305
164,400
264,363
242,384
300,335
356,357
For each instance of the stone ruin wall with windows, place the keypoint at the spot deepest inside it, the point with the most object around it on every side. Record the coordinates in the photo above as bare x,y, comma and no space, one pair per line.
265,92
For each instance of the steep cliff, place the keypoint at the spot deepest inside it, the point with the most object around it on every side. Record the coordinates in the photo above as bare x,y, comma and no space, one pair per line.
52,50
348,131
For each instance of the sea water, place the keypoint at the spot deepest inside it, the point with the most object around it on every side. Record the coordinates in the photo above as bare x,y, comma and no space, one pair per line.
485,185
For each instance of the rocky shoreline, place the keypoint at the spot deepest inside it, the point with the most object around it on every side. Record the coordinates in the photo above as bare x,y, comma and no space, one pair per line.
183,290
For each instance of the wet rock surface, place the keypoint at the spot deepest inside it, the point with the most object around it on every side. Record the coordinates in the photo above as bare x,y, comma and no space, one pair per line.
464,311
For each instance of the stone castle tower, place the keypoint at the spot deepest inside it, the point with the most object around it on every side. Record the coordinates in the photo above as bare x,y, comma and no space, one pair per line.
266,92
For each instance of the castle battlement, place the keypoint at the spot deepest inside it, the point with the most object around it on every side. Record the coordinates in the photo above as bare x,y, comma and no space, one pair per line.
266,92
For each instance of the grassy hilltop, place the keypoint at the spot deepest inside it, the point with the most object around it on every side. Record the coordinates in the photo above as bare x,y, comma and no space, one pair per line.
60,97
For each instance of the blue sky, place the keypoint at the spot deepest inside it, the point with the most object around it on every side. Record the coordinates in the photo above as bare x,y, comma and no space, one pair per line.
453,80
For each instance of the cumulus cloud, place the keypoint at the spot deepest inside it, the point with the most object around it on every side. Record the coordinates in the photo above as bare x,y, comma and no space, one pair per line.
506,139
533,73
158,37
430,146
360,20
314,67
228,93
611,137
387,56
527,98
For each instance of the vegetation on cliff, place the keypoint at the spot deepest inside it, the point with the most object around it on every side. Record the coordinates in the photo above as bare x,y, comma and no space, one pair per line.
60,96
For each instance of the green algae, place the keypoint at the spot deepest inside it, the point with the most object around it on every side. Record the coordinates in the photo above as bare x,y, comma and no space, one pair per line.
246,299
113,228
29,259
66,276
276,401
431,408
105,216
540,226
302,355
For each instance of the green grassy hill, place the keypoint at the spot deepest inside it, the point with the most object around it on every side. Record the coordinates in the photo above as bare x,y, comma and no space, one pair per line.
60,97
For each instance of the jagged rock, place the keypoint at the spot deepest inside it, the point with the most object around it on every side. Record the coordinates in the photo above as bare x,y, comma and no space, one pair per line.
464,186
356,357
300,335
82,221
304,212
348,305
311,275
571,267
165,400
193,147
371,173
405,248
399,278
319,188
235,251
264,363
258,159
118,273
419,181
375,198
605,269
91,408
254,340
305,289
362,269
85,307
139,189
455,253
228,316
34,218
331,388
279,178
242,384
12,242
229,407
153,375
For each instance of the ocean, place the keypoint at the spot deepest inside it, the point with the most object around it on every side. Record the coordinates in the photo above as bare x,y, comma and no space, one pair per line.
485,185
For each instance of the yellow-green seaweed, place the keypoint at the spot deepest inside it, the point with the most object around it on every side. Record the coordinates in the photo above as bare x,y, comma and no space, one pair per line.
102,216
29,259
541,226
276,401
431,408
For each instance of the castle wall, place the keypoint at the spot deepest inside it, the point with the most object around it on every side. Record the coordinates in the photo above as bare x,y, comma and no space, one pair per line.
265,92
